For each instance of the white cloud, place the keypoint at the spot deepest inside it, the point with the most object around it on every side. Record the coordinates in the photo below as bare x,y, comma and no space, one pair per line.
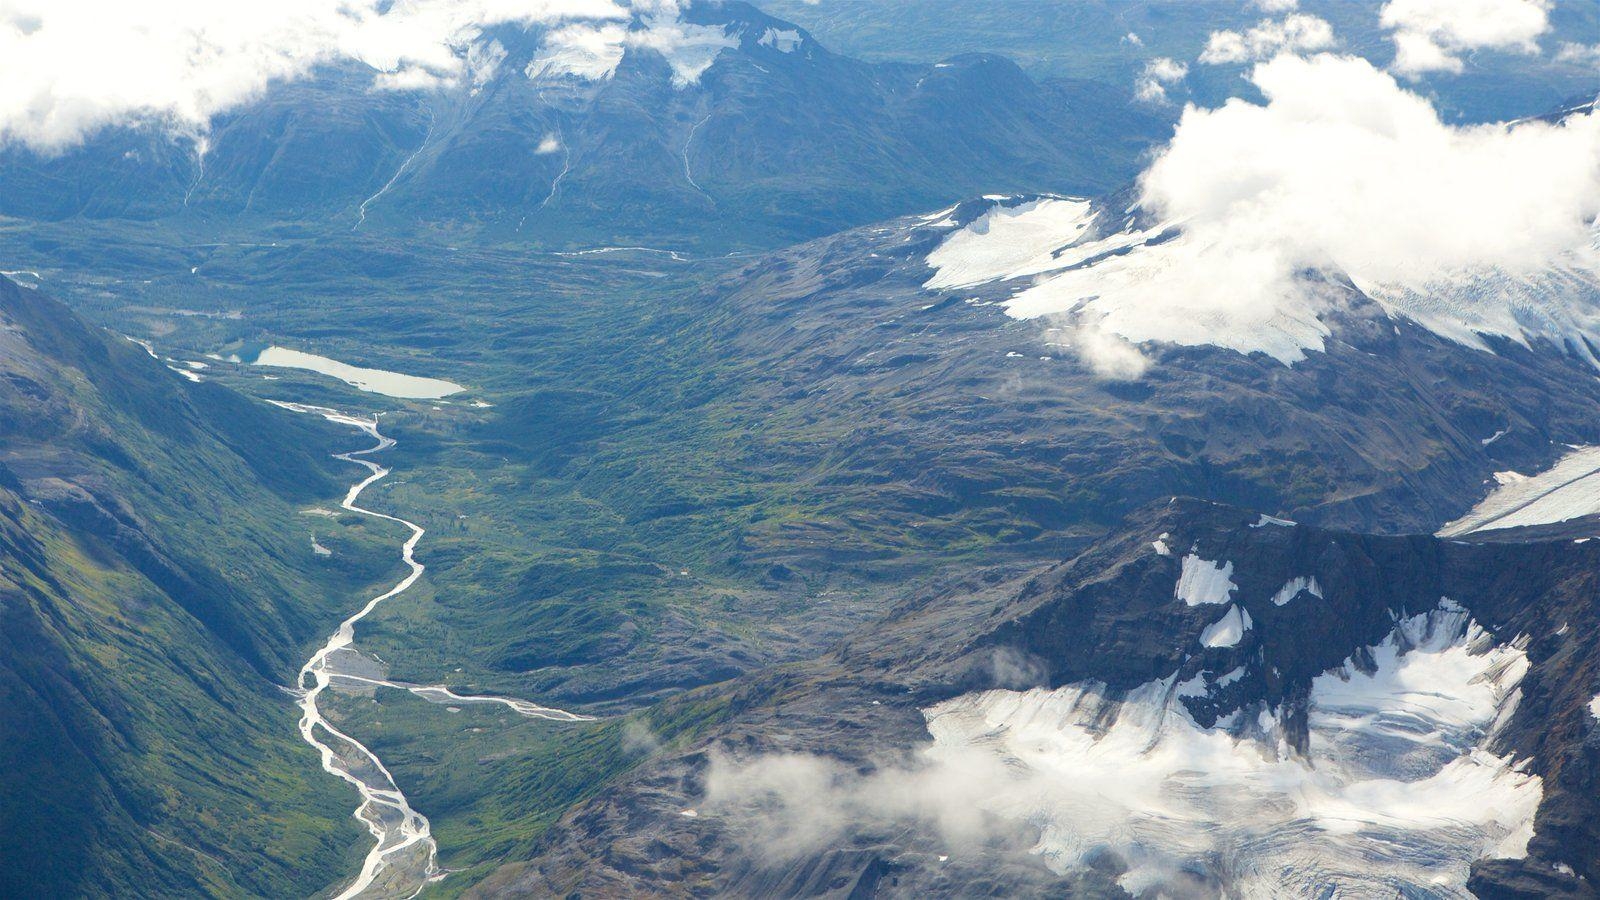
1133,38
1275,6
588,52
71,67
1429,34
592,52
1298,33
483,60
406,78
689,49
1341,172
1343,167
1579,54
1151,86
1110,356
478,64
638,738
1081,774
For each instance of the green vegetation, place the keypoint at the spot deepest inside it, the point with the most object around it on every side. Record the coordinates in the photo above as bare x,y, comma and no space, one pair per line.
682,474
157,586
643,509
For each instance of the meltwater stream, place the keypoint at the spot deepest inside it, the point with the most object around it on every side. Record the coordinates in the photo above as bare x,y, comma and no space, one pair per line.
403,858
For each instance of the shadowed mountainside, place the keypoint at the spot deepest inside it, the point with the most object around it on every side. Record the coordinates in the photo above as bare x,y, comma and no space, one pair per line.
156,582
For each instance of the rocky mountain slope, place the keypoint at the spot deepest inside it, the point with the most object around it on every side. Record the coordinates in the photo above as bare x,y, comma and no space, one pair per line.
156,581
1391,426
1209,702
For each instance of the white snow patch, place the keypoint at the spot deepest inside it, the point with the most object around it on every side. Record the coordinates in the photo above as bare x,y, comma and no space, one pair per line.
940,219
1567,490
1266,520
1294,587
1160,545
1194,687
1008,242
783,40
1495,437
1594,707
1560,303
1228,630
1203,581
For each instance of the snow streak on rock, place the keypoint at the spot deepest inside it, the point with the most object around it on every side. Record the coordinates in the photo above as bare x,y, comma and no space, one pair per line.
1203,581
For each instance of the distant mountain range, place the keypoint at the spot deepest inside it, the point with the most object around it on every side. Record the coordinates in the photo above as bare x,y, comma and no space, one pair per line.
775,139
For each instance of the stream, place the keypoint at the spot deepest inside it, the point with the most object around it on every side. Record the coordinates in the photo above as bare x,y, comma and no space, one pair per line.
404,856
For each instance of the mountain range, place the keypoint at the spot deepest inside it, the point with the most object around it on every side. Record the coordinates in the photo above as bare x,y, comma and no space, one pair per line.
775,139
834,477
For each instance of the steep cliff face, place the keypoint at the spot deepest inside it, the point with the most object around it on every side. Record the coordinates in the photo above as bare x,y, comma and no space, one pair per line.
1210,702
155,584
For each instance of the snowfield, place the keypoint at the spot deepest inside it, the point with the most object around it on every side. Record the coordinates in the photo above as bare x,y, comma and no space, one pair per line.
1202,581
1568,490
1009,242
1396,789
1228,630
